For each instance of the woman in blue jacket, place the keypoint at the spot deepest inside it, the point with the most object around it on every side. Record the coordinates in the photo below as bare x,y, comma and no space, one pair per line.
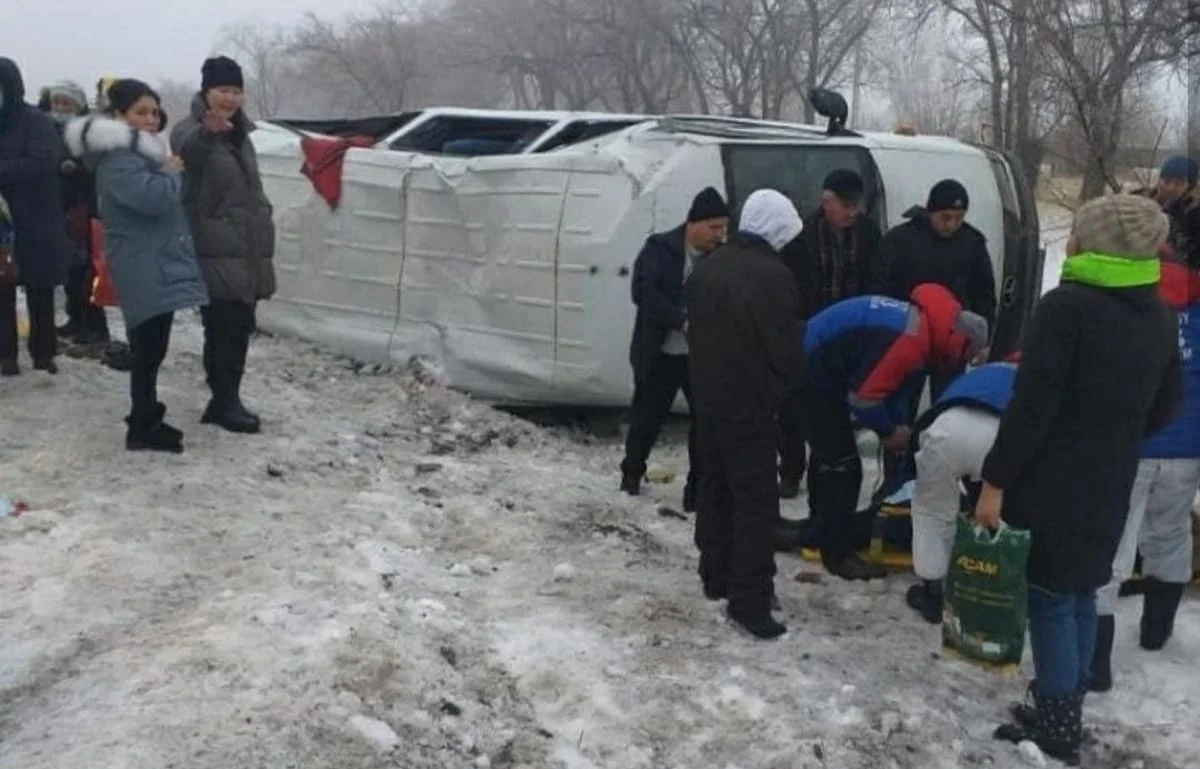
147,242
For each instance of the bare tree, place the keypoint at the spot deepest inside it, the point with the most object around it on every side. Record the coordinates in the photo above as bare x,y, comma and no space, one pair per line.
372,62
261,49
926,90
831,30
176,99
1100,49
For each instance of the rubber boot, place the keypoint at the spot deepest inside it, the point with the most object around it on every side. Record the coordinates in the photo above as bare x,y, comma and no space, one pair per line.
224,409
1057,728
631,484
1100,678
238,365
926,598
1158,613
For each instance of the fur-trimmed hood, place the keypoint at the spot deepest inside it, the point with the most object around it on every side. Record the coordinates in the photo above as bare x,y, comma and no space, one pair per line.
91,137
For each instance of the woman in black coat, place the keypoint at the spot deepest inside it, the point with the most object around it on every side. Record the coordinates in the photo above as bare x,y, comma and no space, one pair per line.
86,324
1099,372
30,156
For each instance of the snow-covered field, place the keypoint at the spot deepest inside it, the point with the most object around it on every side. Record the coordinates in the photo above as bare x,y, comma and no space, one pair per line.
393,575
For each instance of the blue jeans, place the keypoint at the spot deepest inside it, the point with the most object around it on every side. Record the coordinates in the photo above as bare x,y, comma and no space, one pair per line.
1062,636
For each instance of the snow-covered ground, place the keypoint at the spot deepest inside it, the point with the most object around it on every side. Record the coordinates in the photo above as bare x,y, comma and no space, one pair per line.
393,575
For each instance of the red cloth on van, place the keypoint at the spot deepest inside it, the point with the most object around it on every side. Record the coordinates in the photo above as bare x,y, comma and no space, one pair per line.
323,158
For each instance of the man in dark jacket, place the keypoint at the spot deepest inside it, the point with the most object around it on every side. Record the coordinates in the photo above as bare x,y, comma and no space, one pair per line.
86,324
1177,193
746,353
1099,372
659,350
30,154
233,231
867,358
936,245
833,259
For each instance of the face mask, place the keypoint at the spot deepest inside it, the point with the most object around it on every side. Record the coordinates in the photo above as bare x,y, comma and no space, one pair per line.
62,118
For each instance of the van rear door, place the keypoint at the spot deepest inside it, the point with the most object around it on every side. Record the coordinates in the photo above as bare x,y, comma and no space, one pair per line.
1020,284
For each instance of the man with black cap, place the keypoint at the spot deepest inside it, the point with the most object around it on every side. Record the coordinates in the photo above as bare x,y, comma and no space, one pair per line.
936,245
834,259
231,224
659,350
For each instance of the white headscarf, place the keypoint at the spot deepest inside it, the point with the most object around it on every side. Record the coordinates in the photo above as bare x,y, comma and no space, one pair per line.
772,217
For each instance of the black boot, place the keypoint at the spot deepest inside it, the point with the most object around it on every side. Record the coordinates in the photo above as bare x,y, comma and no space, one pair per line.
69,330
1158,612
789,537
631,484
228,416
789,488
152,435
926,598
10,367
854,568
1057,728
117,356
46,364
1100,677
238,372
754,616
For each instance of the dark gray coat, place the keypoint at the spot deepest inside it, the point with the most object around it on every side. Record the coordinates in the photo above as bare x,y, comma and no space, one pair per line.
146,238
229,213
30,156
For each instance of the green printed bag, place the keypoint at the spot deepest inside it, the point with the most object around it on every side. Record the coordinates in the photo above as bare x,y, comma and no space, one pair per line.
986,589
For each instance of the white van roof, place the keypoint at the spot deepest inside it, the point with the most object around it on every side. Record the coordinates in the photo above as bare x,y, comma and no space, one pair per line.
709,129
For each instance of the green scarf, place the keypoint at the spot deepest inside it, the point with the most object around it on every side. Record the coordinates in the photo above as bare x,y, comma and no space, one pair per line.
1105,271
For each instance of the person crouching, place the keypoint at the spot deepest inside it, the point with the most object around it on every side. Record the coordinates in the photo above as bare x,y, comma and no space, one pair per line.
951,440
149,248
746,348
1099,372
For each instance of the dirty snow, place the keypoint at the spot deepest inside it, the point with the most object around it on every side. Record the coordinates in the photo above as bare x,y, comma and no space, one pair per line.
393,575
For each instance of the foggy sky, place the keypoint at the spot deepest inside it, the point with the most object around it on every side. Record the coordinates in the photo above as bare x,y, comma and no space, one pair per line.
84,40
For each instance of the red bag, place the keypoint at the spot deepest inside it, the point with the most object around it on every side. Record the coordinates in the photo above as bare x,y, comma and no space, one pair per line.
103,292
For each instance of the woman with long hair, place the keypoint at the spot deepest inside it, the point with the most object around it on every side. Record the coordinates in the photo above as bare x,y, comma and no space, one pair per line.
147,243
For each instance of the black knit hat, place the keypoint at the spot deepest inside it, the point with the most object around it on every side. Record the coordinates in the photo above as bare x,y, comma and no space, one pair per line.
220,71
846,184
708,205
947,195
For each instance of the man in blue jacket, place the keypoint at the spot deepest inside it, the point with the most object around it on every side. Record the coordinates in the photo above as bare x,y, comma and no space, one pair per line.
659,350
867,358
950,442
1160,507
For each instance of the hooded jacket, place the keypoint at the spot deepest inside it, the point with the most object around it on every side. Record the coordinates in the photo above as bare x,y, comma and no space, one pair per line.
147,243
913,253
1099,373
745,342
229,213
875,351
30,156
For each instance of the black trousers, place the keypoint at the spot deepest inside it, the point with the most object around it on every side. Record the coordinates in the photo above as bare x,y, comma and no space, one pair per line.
228,326
738,507
148,342
793,438
81,313
834,475
654,392
43,344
